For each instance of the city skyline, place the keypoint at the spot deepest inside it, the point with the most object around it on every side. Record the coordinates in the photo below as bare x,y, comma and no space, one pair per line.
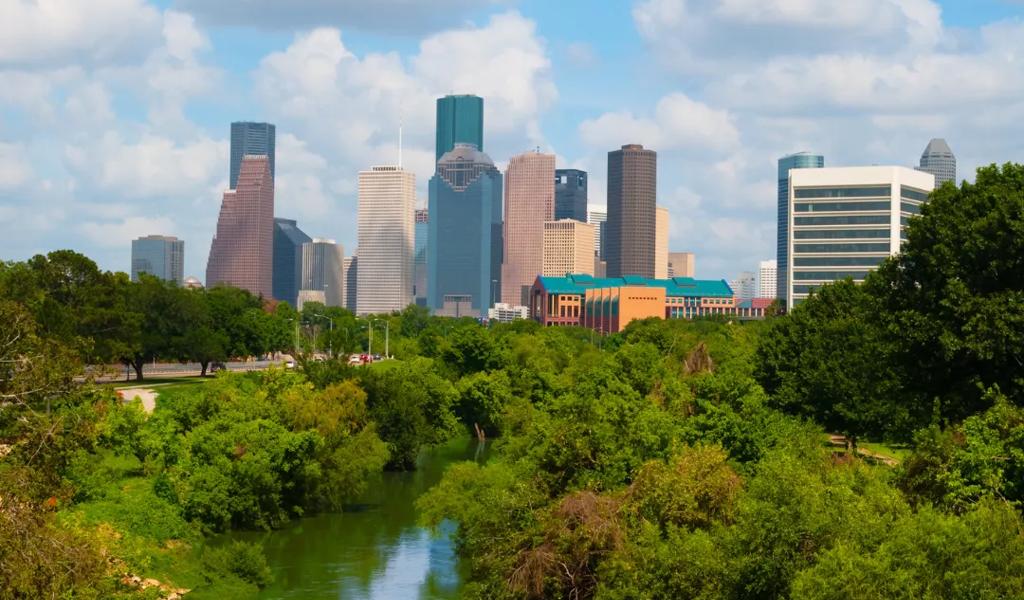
109,151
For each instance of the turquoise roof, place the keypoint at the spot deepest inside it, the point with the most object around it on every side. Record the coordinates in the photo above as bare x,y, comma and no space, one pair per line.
675,287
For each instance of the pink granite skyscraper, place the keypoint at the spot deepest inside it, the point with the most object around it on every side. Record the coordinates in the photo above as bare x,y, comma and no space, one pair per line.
529,202
242,251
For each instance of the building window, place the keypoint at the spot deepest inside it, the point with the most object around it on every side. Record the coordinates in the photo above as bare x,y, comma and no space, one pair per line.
831,234
840,206
835,248
849,192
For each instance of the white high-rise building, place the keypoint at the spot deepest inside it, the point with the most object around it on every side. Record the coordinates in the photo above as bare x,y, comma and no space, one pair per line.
661,243
597,215
387,205
844,221
767,279
743,287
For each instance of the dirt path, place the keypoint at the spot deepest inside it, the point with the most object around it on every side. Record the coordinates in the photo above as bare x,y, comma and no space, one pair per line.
147,395
838,440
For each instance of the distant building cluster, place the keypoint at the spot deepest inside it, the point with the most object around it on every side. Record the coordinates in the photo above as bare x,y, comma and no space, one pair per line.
526,243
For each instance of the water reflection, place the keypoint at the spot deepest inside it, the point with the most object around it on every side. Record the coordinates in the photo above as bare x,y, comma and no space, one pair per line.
374,550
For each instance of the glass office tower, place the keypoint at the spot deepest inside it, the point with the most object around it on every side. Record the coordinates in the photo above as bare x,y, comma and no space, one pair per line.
800,160
159,255
287,274
938,159
460,120
250,138
571,194
464,240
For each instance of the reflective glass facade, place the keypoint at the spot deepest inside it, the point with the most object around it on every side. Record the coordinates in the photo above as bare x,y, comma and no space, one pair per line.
160,256
464,239
250,139
938,159
571,194
801,160
460,120
288,241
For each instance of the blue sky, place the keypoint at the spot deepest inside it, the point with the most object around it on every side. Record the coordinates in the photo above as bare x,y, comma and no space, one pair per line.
114,114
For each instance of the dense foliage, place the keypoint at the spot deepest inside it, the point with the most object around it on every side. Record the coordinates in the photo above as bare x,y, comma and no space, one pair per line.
937,332
674,460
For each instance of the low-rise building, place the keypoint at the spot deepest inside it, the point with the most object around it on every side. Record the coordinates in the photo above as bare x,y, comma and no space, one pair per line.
609,304
506,313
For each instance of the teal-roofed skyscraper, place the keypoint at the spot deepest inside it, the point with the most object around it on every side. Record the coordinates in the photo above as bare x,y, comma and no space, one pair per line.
460,120
800,160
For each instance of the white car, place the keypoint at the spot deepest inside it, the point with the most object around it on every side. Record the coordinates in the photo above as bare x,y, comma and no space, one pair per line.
355,360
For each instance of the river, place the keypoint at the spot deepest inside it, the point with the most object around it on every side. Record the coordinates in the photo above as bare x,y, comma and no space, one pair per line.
374,550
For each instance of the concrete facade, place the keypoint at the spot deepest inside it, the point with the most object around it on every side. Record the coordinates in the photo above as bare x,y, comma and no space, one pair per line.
387,204
568,248
844,221
529,203
632,220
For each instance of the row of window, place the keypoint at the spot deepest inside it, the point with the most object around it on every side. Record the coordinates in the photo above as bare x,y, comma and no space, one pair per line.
840,206
848,192
827,275
804,289
913,209
836,248
833,234
843,220
837,261
911,193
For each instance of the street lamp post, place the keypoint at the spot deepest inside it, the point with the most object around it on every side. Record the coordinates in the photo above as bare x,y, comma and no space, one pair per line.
330,339
387,336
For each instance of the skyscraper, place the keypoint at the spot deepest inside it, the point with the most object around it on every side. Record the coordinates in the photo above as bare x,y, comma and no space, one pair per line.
323,263
249,138
159,255
800,160
419,263
682,264
464,241
460,120
767,279
632,221
529,202
846,221
387,203
571,194
350,270
938,159
661,243
287,273
598,216
743,287
568,248
243,246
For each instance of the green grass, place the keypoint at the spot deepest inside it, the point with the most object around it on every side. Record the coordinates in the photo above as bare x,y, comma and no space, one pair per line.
148,533
384,365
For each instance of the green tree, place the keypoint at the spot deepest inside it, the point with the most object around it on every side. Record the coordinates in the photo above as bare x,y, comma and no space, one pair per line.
955,293
831,360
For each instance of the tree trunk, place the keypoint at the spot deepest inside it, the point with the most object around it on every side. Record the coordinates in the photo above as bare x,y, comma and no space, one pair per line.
204,364
137,365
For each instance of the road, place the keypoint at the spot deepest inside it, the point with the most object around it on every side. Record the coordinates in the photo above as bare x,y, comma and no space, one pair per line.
163,370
